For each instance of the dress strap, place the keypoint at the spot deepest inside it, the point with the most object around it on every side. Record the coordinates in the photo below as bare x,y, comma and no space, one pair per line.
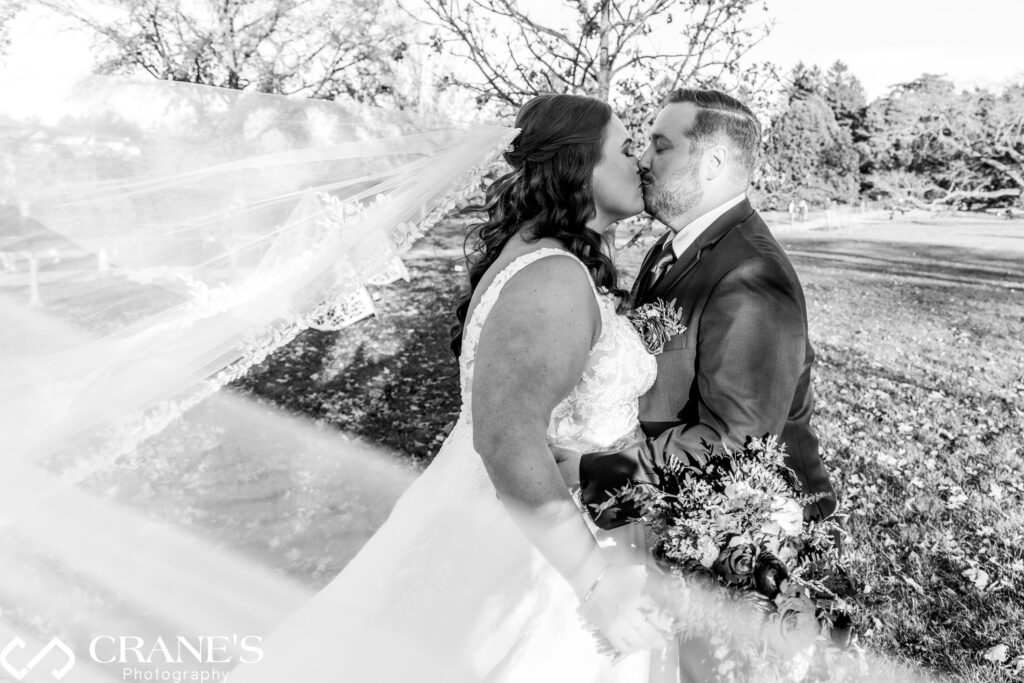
490,295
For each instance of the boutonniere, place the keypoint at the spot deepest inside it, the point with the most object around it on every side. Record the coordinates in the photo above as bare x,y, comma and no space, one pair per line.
656,323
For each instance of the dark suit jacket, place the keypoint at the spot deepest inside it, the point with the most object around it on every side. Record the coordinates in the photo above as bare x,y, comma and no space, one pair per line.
741,368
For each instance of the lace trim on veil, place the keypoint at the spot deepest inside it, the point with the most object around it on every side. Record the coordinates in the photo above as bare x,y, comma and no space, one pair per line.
132,430
324,252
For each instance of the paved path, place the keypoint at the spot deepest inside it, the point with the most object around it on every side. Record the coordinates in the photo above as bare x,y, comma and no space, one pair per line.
973,231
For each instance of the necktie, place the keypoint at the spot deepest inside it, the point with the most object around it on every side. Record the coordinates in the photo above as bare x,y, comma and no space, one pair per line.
664,261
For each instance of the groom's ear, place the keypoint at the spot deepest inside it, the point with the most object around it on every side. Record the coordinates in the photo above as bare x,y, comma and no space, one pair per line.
716,161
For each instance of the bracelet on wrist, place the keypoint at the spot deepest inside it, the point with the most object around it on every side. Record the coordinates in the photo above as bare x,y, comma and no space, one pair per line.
593,586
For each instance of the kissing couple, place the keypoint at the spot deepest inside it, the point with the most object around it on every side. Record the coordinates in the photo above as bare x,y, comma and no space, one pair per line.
490,567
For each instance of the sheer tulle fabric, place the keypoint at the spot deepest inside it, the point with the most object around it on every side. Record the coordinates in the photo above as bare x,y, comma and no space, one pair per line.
179,233
156,240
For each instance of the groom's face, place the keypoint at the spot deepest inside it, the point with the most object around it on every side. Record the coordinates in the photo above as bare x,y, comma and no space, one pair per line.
670,166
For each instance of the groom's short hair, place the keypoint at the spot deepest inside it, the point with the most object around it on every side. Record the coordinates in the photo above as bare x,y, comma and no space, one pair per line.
723,116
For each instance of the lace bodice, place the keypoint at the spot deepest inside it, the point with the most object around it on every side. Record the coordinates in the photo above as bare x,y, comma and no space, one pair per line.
601,411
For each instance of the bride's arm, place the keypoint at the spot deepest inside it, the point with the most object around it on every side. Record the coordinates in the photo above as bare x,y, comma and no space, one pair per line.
532,352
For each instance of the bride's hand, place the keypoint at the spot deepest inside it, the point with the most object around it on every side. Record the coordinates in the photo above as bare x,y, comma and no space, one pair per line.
568,462
624,612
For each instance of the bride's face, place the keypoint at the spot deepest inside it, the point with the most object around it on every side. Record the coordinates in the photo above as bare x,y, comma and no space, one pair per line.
616,183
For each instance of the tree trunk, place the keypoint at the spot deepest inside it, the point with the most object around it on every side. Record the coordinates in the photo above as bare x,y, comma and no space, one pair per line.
604,67
1016,175
971,198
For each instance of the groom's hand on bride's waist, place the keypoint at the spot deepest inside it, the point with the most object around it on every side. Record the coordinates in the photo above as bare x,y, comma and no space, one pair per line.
568,462
601,474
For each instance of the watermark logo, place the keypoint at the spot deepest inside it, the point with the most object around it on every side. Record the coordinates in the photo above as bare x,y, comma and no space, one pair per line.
200,658
108,649
20,673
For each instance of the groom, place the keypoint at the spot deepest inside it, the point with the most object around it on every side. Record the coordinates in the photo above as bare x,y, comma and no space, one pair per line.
742,367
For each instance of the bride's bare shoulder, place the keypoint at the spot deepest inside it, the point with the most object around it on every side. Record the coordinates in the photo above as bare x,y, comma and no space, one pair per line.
553,290
552,285
551,268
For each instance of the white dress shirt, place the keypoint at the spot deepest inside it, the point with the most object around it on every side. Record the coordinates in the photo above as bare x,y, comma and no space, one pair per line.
686,236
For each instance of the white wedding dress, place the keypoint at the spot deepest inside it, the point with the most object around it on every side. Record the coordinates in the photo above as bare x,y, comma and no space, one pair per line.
449,589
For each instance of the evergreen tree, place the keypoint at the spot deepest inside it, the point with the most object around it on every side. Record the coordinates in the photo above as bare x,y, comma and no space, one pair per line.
844,93
805,81
809,155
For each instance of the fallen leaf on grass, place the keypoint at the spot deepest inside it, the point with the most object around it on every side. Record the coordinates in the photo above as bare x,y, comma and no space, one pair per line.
1017,665
914,584
979,577
996,654
957,501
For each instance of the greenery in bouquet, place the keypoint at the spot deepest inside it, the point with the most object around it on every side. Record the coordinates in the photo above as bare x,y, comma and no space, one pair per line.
743,570
656,323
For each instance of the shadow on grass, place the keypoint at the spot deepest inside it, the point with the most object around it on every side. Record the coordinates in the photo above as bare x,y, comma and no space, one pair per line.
390,379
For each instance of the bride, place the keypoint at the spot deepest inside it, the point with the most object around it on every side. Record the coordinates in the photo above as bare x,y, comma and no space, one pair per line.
486,568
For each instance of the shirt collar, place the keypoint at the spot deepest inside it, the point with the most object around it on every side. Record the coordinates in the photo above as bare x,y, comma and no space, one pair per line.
686,236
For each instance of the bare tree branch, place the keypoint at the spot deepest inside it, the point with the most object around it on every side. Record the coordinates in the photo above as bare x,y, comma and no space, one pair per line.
608,52
317,47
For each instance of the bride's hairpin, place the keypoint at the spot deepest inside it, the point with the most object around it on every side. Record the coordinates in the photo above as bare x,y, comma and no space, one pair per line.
511,148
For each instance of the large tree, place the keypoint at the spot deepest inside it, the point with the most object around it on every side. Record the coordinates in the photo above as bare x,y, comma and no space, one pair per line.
993,145
9,10
962,148
628,52
319,48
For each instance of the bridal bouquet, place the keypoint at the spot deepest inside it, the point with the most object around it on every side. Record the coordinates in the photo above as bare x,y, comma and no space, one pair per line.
734,522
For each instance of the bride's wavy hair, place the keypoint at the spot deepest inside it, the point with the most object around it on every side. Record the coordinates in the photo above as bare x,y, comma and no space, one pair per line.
548,191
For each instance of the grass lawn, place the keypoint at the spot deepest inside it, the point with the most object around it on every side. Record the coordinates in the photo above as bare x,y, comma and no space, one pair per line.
920,388
920,385
919,380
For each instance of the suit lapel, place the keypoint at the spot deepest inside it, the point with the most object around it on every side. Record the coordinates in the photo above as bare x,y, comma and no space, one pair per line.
707,239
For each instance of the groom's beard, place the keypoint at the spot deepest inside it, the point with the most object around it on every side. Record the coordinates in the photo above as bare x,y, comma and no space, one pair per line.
680,193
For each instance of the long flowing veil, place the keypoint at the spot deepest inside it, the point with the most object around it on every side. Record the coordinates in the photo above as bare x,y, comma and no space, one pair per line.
183,232
157,239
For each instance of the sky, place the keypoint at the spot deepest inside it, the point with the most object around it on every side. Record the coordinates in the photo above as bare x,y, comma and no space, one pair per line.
45,56
884,42
976,43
